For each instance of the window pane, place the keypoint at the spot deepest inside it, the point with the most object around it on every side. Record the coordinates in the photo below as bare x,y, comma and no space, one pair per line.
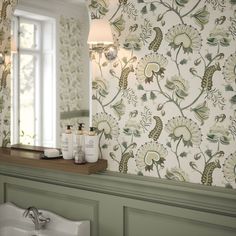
27,94
28,35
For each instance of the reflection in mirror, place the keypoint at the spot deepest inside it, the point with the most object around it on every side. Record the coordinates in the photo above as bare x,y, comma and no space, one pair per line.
50,80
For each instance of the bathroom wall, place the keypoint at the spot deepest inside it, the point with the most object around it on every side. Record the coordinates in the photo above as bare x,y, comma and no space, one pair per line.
166,106
6,9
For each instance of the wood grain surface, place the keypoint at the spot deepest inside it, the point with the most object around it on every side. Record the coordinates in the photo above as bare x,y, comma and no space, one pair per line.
33,158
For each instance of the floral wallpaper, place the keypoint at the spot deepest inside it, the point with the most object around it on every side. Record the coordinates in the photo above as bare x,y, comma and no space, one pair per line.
166,106
6,8
71,93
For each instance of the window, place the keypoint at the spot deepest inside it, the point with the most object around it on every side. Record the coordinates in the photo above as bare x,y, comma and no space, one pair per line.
34,93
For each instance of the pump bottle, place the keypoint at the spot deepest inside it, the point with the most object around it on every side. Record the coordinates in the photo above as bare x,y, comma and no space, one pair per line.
79,145
91,146
67,143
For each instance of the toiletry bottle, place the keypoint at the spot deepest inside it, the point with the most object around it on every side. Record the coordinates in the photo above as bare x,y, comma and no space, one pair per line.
79,145
67,143
91,146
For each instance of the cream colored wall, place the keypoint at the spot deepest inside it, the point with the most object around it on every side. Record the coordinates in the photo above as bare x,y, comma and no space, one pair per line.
166,107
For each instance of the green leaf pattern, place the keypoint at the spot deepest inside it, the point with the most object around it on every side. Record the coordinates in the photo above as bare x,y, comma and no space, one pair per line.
169,96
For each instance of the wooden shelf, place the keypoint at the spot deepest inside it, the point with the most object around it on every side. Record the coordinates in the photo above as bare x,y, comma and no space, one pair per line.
33,159
31,148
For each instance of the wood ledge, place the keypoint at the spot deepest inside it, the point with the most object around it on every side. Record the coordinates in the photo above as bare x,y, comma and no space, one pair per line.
33,159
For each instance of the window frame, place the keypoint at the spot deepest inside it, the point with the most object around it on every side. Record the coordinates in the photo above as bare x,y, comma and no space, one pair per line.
38,52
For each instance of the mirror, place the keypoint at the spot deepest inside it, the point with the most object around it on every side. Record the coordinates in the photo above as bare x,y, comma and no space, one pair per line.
50,70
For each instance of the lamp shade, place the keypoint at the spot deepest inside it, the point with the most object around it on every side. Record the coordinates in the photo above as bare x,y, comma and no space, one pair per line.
100,32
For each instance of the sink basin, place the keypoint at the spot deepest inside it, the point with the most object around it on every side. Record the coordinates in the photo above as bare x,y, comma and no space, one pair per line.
7,230
13,223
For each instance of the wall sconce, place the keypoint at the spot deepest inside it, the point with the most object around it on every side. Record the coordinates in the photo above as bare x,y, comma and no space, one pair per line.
100,39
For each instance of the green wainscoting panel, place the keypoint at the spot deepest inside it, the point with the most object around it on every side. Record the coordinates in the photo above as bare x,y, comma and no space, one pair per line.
140,222
123,205
58,200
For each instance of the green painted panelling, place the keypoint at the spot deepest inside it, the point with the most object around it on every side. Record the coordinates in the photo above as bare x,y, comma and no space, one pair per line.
115,206
193,196
143,222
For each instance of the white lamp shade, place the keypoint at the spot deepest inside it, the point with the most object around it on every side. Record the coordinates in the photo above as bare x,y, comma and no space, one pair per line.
100,32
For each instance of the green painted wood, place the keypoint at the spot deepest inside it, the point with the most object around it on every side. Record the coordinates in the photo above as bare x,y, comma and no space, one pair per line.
116,206
154,223
169,220
188,195
111,215
2,191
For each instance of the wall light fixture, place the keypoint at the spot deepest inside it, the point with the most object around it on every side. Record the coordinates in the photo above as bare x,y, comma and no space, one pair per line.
100,39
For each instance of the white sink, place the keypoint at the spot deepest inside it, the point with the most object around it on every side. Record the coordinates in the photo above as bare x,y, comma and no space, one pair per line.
13,223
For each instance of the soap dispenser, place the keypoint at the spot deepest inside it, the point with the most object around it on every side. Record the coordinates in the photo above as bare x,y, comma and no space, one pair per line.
79,145
67,143
91,146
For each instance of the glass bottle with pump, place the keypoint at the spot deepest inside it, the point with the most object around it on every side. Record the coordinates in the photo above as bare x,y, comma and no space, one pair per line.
79,145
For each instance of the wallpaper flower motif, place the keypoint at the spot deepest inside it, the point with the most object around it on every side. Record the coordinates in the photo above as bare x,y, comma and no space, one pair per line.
230,69
178,85
182,128
150,154
229,168
150,66
70,45
106,124
171,92
70,61
184,36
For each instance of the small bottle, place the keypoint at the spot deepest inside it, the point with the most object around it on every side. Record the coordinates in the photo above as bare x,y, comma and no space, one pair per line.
91,146
67,143
91,131
79,145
